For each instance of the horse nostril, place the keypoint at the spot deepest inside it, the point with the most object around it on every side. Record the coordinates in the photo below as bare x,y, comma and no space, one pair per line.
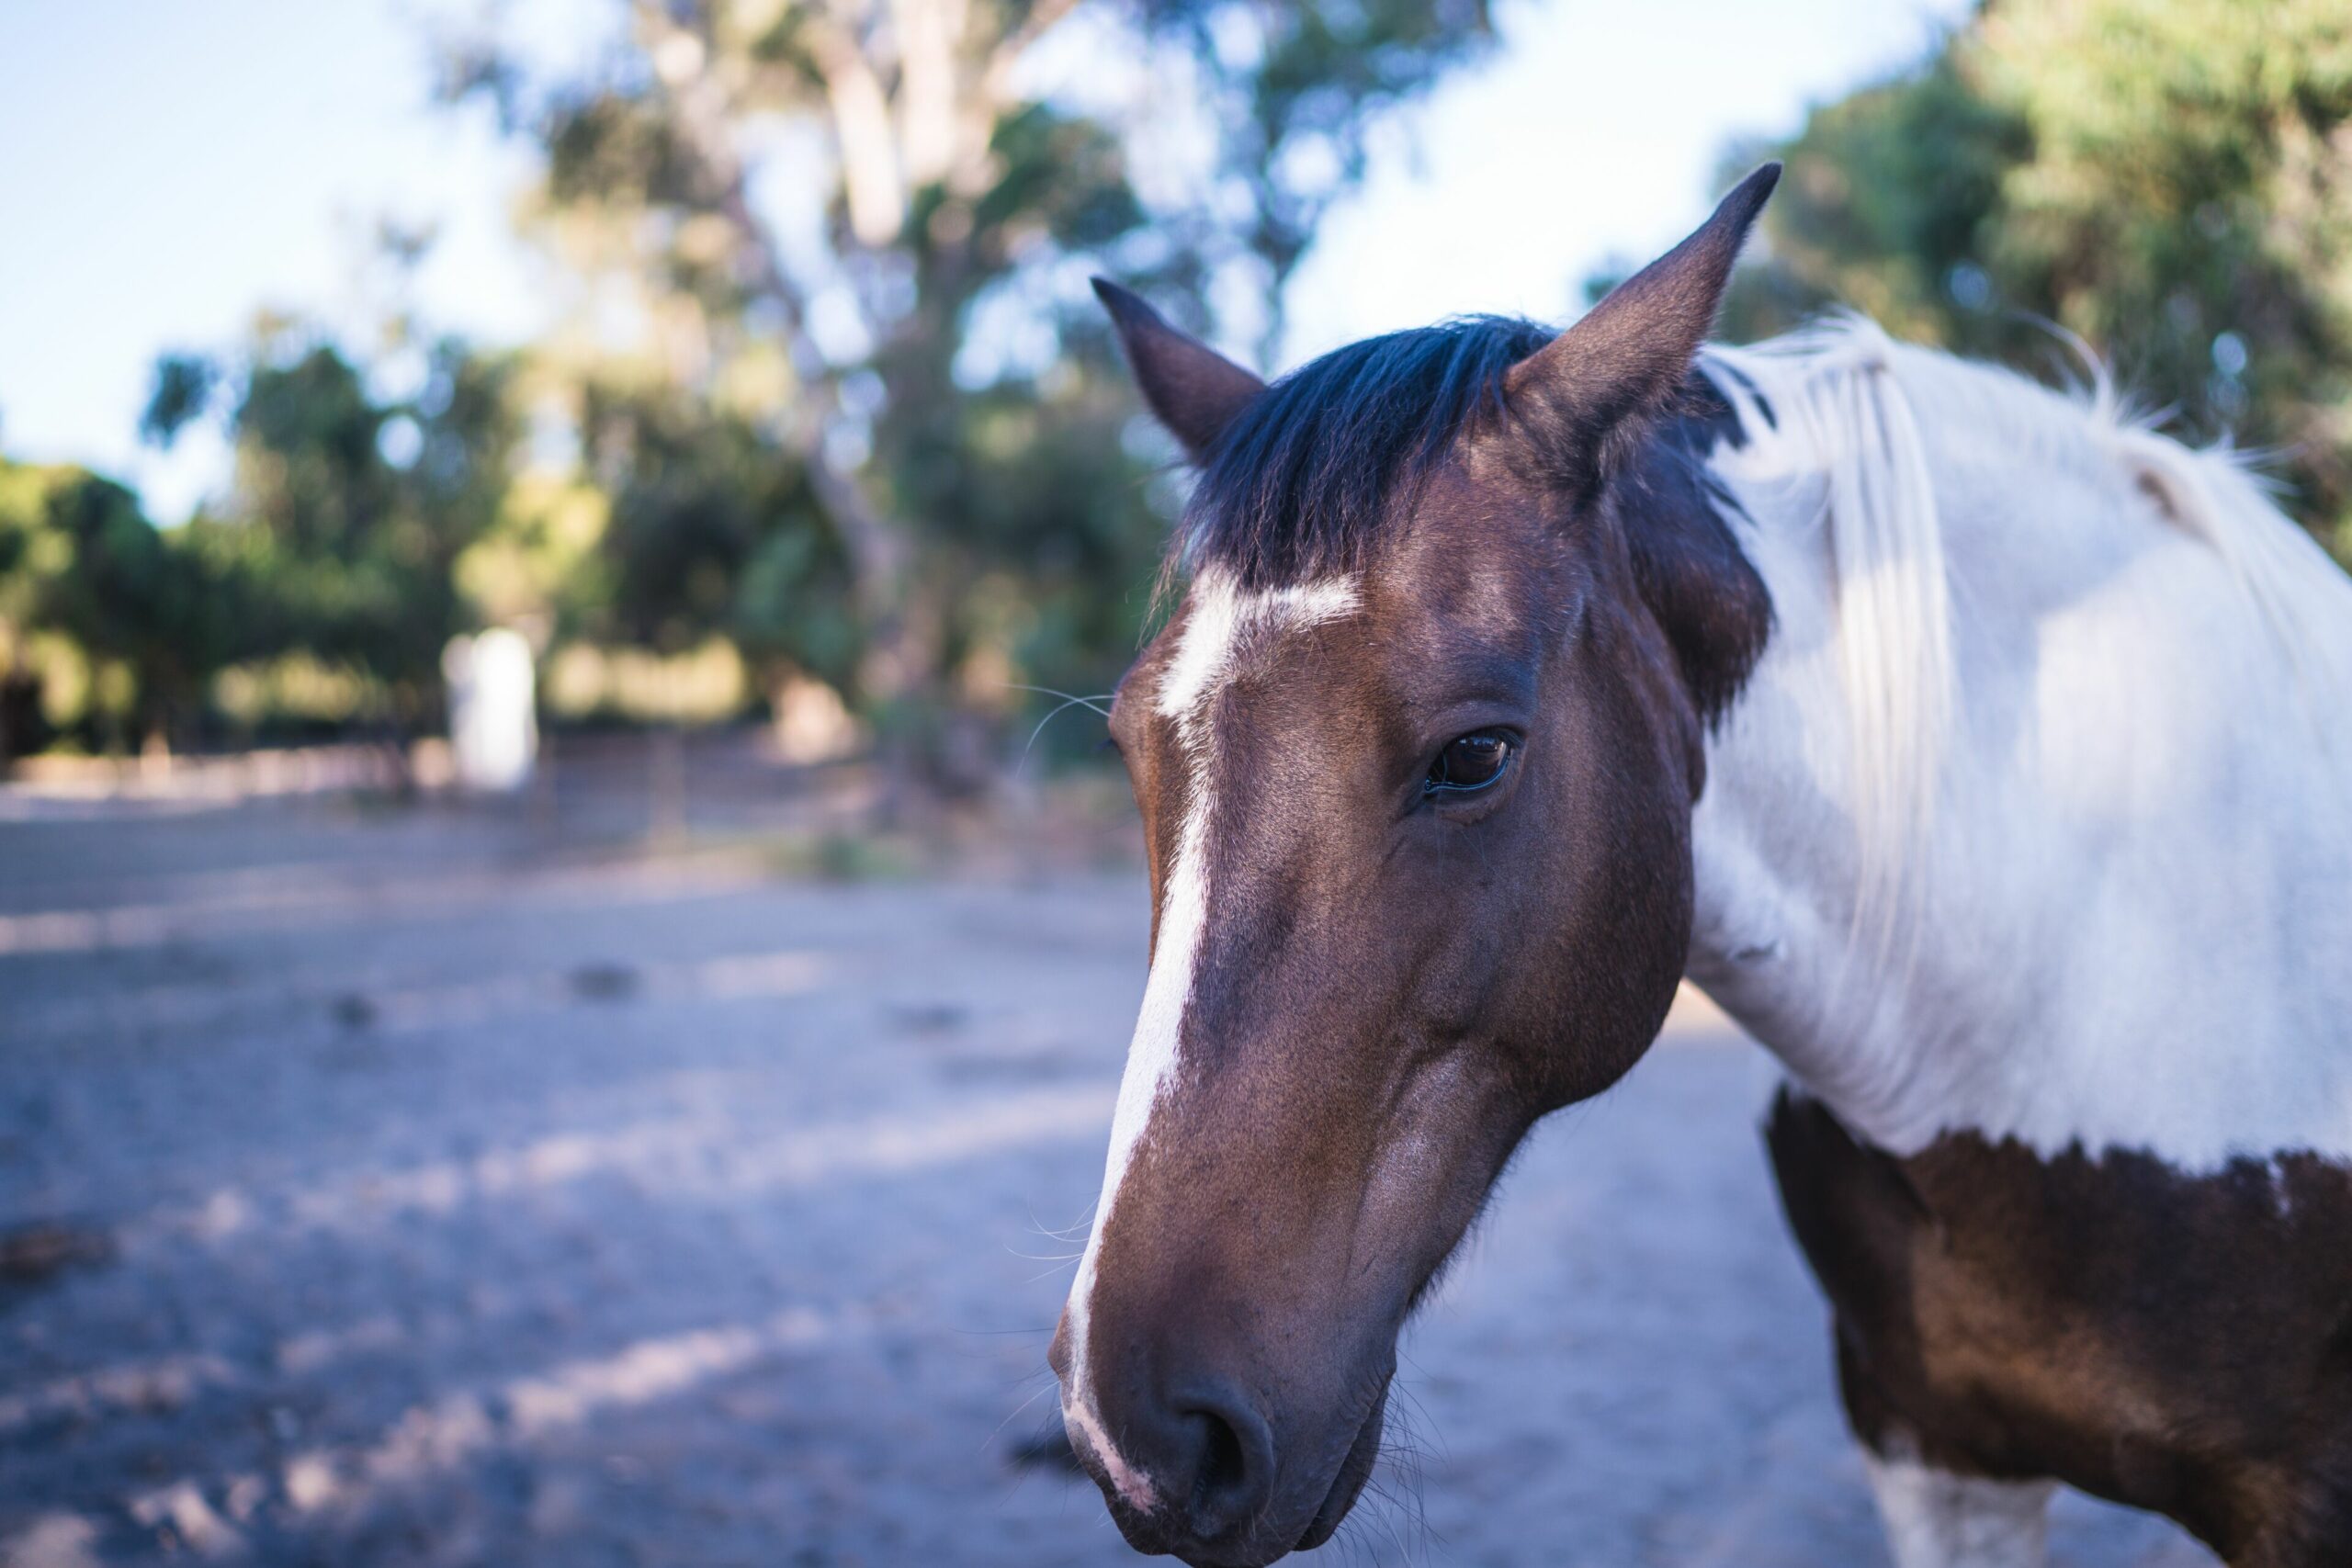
1233,1465
1221,1466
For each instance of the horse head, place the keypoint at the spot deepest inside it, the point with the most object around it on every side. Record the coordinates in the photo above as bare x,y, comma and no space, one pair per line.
1416,758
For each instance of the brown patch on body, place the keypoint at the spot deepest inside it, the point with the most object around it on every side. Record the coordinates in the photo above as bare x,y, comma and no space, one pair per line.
2179,1343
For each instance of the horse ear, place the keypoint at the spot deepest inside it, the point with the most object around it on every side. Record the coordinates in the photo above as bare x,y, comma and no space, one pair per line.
1629,354
1192,389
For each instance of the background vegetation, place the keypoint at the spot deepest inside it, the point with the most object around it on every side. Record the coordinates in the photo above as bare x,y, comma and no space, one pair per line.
2169,180
832,409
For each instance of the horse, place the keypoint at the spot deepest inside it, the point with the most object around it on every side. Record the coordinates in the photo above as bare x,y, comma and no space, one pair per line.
1979,750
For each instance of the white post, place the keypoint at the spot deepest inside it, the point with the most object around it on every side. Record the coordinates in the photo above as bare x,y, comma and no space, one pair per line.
493,715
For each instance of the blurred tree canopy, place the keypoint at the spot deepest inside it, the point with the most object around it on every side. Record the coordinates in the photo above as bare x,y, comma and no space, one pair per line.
2171,180
830,396
107,630
340,537
836,366
827,398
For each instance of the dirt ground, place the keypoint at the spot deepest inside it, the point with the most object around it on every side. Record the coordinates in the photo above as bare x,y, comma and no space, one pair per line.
424,1185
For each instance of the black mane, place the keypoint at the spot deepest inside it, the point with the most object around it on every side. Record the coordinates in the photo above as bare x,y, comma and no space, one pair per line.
1297,485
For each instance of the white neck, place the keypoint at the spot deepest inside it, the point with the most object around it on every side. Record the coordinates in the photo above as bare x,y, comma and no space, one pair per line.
2035,820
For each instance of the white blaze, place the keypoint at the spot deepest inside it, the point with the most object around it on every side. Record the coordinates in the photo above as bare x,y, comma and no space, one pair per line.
1936,1520
1221,619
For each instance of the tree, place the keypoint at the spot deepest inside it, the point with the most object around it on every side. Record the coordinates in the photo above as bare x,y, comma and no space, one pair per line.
342,531
709,532
98,606
909,341
2171,180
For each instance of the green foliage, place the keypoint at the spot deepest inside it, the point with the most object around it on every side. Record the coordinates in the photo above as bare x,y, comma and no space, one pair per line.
898,452
185,384
1889,194
1297,85
1063,178
2165,178
711,530
348,554
936,494
120,623
899,455
349,512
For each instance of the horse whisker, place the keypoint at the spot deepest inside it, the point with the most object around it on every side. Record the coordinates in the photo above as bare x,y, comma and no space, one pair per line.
1049,692
1087,702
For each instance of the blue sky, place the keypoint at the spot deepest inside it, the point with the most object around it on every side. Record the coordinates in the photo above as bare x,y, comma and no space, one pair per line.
138,133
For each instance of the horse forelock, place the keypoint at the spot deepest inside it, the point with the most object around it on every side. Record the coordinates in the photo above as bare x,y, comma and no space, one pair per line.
1307,478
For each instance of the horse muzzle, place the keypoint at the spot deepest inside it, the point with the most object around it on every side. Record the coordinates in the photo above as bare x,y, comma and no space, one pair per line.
1197,1465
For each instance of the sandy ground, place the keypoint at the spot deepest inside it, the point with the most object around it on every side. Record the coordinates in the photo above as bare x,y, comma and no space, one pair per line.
422,1189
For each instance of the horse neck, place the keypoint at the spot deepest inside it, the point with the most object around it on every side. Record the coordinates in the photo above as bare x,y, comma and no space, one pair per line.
2030,821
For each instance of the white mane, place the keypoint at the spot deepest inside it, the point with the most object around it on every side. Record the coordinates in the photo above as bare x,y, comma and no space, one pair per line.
1845,404
2035,820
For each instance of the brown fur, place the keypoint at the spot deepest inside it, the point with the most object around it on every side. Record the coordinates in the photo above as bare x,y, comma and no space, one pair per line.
1393,987
2178,1343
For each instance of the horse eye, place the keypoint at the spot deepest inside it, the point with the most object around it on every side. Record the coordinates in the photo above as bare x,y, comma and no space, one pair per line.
1469,763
